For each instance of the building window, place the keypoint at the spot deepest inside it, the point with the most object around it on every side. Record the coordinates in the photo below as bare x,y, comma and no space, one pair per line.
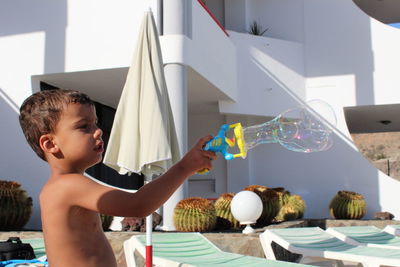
100,171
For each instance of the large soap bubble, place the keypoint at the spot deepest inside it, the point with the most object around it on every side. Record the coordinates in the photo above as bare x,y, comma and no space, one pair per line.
307,128
303,129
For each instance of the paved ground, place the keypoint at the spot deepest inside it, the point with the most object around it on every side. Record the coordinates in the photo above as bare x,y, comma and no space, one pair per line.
231,241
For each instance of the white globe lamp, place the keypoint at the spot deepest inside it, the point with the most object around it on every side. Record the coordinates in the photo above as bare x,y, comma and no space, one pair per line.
246,207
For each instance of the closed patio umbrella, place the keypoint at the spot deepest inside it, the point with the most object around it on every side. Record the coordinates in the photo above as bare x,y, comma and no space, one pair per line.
143,139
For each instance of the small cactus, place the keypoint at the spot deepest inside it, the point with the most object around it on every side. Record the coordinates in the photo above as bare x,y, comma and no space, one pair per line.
348,205
271,202
223,211
292,209
15,206
283,195
194,214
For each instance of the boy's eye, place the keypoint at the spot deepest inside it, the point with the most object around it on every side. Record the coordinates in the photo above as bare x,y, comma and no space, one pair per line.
83,126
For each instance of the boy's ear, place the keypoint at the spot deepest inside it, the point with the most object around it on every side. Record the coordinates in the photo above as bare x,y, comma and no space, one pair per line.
47,144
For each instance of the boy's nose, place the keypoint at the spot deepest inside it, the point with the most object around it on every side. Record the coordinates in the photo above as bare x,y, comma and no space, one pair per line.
98,133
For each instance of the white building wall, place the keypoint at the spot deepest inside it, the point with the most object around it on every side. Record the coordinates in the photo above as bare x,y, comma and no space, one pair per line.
235,15
213,183
51,37
215,60
100,34
352,61
282,18
22,53
268,69
349,60
385,43
330,50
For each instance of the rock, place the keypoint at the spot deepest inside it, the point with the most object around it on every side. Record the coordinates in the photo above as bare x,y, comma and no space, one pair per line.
384,215
139,224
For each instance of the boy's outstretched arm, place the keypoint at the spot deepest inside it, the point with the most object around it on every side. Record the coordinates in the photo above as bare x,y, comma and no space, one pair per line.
148,198
160,189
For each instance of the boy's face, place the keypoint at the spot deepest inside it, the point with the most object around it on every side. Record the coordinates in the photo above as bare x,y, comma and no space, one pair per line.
78,137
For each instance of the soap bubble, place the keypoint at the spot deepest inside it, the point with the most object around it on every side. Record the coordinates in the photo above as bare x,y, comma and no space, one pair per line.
303,129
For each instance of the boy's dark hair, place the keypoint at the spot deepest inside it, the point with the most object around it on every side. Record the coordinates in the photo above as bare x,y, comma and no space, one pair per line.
40,113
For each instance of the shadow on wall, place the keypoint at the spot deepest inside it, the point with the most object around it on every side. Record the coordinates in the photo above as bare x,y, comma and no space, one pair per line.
330,50
300,173
24,17
317,176
50,17
26,168
344,168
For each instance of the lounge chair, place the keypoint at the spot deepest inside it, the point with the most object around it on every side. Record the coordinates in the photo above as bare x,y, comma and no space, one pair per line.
370,236
191,249
314,244
393,229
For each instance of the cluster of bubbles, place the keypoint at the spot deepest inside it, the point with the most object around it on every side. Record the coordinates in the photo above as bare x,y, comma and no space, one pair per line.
300,129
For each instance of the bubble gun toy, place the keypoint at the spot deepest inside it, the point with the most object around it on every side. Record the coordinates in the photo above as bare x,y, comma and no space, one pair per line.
220,143
300,129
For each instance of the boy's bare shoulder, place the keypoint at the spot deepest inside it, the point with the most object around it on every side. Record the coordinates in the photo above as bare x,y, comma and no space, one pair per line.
64,180
62,186
76,190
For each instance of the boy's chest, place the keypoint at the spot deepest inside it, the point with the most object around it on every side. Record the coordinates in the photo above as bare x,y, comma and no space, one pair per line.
70,219
84,219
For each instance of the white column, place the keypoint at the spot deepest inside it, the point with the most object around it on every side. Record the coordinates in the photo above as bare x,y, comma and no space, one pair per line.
176,78
175,18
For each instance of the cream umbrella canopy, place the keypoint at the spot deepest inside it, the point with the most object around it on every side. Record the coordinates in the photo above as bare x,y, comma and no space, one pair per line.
143,138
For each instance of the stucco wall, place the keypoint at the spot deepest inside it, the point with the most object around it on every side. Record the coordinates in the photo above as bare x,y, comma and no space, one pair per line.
349,60
50,37
330,50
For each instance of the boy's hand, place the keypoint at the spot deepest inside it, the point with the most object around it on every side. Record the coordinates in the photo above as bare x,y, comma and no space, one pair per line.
197,159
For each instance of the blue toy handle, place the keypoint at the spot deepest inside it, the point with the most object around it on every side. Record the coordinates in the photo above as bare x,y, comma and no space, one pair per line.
220,143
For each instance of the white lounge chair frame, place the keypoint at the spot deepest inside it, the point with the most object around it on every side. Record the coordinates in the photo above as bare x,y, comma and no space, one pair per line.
369,236
393,229
178,251
314,244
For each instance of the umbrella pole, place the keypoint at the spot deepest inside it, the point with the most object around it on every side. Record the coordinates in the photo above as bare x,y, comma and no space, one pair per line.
149,231
149,247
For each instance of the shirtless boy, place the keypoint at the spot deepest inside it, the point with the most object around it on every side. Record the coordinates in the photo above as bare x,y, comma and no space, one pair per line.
60,126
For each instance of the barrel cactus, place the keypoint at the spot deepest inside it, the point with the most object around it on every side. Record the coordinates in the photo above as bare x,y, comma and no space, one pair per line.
292,209
223,211
15,206
348,205
106,221
270,200
194,214
283,195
